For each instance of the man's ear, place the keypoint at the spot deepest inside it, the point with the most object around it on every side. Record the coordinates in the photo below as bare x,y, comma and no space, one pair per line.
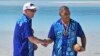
59,13
25,11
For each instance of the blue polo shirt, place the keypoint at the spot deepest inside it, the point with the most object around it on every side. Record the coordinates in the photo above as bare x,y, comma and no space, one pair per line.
23,30
52,35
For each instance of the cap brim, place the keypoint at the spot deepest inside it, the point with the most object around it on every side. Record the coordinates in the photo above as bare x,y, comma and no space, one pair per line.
32,7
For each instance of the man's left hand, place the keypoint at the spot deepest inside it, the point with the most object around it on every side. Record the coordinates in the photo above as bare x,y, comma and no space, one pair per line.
35,47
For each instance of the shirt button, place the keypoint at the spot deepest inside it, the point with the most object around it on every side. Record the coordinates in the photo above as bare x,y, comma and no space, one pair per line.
63,53
64,46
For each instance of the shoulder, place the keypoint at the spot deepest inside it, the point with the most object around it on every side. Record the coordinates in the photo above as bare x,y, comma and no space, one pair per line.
57,22
74,22
22,20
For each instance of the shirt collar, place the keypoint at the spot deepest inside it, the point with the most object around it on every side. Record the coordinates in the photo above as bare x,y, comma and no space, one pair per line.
27,17
64,23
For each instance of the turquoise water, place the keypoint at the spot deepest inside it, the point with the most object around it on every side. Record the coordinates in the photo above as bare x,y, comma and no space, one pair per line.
87,16
45,16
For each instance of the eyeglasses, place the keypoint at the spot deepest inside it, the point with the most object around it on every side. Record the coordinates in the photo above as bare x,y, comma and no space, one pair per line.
32,10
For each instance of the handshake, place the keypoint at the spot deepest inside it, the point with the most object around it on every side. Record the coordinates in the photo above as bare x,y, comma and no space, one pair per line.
44,42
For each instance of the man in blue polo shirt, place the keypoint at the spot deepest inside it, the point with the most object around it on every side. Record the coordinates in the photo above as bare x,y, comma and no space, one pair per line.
64,34
24,40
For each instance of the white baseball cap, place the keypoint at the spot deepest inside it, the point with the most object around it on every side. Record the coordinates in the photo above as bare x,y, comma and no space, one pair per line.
29,5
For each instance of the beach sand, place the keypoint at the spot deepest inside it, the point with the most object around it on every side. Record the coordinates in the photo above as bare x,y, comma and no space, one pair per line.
6,47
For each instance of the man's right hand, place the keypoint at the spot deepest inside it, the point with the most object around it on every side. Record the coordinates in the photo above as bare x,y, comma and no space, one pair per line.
45,43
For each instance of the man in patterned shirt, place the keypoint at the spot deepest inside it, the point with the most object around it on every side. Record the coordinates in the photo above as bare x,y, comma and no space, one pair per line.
24,40
64,34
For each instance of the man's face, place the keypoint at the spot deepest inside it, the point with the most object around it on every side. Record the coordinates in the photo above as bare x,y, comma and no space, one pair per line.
64,13
30,12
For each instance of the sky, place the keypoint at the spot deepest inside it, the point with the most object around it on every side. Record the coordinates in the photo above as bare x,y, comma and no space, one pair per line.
50,2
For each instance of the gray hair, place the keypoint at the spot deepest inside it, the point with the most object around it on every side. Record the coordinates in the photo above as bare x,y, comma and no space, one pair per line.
65,8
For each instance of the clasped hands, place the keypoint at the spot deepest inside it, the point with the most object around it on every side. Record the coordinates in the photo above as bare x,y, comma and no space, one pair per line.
44,42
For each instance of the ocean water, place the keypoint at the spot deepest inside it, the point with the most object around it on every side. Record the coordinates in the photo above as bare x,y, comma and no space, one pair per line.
87,16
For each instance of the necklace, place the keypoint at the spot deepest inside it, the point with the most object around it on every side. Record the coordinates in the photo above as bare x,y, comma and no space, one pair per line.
66,28
65,31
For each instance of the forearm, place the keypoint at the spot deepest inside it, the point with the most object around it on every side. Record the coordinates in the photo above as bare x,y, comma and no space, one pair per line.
49,41
34,40
83,41
79,48
46,42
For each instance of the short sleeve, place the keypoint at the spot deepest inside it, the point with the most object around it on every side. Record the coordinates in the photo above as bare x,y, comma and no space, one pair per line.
51,33
28,30
79,32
